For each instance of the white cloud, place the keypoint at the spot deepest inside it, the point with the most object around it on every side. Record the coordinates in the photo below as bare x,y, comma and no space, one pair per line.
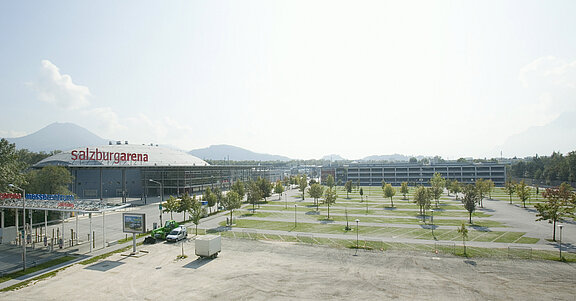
552,83
549,71
59,89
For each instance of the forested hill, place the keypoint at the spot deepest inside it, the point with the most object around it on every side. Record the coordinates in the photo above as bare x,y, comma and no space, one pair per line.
556,167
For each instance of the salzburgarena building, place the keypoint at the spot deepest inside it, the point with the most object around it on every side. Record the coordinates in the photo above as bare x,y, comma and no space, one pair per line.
416,174
138,171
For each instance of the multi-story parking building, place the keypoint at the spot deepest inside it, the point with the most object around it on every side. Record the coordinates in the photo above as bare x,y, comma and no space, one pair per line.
416,174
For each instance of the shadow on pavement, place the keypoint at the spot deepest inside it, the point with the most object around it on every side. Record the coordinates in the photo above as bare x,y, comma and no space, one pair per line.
104,266
480,228
198,263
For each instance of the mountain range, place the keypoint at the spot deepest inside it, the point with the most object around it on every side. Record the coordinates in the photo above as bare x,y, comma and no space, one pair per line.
66,136
233,153
559,135
58,136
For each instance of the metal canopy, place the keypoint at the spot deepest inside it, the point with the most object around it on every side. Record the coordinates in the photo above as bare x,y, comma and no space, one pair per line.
83,206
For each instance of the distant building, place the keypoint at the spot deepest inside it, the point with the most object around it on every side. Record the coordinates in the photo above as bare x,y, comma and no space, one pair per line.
415,174
124,170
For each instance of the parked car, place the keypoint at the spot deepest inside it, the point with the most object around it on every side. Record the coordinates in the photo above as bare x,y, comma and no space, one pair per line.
177,234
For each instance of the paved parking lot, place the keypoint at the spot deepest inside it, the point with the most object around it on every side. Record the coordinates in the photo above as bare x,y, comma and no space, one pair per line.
258,270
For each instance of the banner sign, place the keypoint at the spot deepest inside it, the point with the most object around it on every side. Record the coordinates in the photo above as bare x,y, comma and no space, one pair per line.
134,222
115,157
38,196
10,196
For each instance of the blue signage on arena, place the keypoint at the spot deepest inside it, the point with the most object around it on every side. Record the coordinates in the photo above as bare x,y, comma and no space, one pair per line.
49,197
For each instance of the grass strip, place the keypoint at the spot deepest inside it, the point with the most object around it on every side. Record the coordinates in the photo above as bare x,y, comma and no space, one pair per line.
37,268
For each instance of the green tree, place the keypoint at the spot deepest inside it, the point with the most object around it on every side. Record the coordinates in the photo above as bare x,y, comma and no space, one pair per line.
523,191
464,232
209,197
559,204
471,196
279,189
389,192
510,188
404,190
171,205
50,180
196,212
185,204
483,187
437,184
232,201
330,181
219,196
422,199
302,184
316,191
253,194
265,187
456,188
348,187
10,166
490,187
238,187
361,194
330,197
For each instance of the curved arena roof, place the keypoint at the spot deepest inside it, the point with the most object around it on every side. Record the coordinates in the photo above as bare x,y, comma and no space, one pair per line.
124,155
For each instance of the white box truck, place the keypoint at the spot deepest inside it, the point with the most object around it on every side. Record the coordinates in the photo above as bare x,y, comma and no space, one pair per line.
208,246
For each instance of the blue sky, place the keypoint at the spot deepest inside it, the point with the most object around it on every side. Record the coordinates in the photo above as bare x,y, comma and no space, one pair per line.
296,78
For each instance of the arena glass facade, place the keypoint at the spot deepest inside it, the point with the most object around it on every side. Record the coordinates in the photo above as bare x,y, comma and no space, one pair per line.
124,171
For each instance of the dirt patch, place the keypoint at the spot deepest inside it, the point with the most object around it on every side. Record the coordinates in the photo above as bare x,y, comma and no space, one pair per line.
284,271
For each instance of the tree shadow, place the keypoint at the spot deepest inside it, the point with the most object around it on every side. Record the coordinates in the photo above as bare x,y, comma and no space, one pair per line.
428,226
480,228
326,221
486,210
313,213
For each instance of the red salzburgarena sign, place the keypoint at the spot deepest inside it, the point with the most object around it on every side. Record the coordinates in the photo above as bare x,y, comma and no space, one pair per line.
96,155
10,196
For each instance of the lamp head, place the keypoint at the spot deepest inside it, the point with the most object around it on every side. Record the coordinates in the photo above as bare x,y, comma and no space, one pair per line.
561,226
357,220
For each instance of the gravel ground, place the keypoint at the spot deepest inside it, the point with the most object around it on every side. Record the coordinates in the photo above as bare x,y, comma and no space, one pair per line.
255,270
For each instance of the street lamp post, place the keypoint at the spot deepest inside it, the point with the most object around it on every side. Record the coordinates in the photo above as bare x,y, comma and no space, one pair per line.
356,254
295,215
432,221
23,224
161,198
560,243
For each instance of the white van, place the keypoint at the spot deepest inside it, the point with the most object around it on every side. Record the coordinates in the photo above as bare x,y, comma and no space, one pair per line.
177,234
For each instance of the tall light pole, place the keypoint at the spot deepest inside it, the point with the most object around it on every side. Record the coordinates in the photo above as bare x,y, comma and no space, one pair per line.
432,221
560,243
24,225
295,215
356,254
161,198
